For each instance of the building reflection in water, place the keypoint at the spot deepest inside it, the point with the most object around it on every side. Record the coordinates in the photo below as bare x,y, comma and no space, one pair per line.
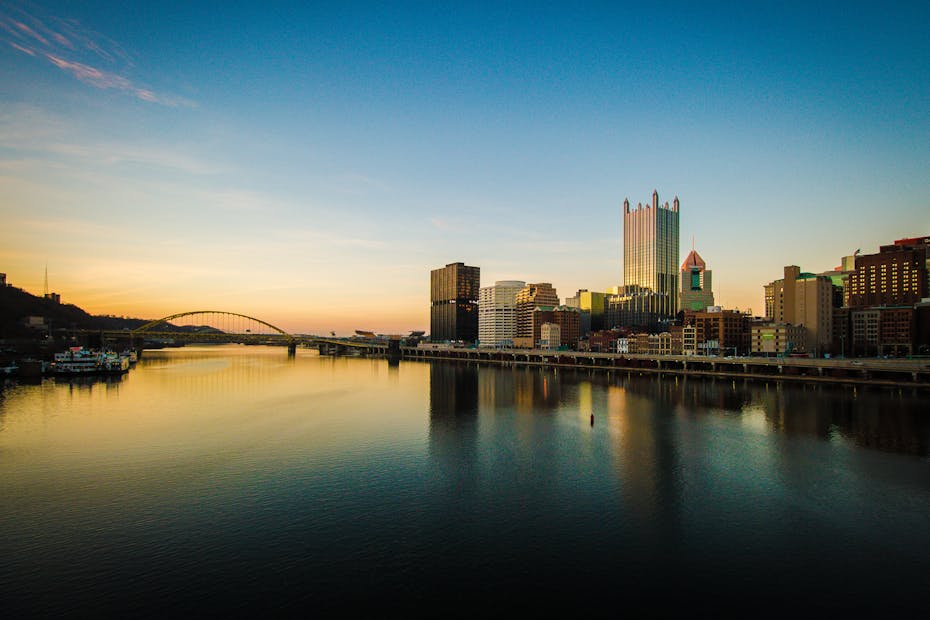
878,418
453,426
664,434
645,455
525,390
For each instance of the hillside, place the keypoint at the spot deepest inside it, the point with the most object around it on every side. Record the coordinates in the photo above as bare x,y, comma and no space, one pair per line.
16,304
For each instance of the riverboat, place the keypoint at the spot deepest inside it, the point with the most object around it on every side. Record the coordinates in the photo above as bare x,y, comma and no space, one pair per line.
81,361
131,355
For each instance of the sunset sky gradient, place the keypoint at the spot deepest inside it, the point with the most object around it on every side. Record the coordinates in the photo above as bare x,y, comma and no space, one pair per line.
308,165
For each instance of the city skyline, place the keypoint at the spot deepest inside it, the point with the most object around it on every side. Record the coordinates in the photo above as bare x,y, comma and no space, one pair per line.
296,163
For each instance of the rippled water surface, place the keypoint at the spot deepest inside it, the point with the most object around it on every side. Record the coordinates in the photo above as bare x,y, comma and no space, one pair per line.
221,478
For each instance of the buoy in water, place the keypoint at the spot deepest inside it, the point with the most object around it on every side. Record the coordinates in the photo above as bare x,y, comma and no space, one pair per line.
592,419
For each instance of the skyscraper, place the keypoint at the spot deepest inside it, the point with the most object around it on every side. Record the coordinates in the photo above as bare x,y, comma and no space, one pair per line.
497,312
453,303
650,254
696,292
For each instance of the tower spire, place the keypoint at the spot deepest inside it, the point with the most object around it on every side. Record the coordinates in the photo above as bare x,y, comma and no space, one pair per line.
45,291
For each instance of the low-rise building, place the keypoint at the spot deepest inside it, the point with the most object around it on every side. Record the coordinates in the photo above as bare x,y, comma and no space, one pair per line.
689,340
550,336
777,339
604,340
660,344
883,331
722,331
638,343
897,332
568,319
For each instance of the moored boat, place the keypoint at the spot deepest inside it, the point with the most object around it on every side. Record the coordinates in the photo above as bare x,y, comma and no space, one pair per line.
81,361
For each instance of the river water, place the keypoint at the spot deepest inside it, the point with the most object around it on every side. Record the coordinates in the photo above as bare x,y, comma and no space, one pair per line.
228,478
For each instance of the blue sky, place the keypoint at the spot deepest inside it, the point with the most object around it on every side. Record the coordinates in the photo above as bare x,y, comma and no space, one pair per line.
310,164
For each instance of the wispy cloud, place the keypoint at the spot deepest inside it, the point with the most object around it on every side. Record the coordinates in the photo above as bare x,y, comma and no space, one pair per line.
44,138
92,58
24,50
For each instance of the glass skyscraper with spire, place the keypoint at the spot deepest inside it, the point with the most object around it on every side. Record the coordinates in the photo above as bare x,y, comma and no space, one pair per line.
650,259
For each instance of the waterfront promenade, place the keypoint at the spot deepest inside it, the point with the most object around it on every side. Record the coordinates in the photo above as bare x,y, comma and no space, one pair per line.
889,372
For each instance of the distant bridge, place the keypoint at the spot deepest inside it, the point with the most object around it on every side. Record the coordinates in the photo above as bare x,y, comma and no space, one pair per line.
221,326
224,316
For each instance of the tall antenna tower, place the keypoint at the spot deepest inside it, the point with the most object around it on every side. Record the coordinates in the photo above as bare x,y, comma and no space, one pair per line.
45,291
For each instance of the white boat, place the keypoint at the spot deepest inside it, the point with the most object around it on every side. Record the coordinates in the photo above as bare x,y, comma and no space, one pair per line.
81,361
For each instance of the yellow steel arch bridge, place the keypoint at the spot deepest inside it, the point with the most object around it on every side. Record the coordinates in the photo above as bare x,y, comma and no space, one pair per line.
222,326
227,323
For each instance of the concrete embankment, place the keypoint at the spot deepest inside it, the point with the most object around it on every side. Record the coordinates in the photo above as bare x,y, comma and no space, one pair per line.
896,373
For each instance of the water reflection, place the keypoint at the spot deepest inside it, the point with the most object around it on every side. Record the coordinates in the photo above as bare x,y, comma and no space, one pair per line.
888,420
875,418
453,424
326,480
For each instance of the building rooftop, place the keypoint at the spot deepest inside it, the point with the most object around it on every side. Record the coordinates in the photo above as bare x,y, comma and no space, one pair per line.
693,261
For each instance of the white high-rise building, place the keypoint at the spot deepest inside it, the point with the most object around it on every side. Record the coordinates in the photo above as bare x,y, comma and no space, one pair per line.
497,313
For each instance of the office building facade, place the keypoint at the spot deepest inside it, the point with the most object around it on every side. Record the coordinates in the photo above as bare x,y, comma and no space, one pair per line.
550,336
722,332
568,320
777,339
897,275
696,292
497,313
636,308
807,300
650,254
528,298
592,306
454,303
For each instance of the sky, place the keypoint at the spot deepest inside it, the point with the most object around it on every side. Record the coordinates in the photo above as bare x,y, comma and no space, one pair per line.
309,163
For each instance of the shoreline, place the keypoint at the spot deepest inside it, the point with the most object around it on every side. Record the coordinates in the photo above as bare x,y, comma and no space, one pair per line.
898,374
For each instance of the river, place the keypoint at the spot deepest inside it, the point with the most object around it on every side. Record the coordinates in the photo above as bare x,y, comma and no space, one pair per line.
213,479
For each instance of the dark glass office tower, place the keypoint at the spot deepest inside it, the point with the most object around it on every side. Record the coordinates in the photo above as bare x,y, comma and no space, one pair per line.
454,303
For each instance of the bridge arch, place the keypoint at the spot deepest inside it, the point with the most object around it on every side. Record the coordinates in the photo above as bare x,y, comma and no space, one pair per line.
152,324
